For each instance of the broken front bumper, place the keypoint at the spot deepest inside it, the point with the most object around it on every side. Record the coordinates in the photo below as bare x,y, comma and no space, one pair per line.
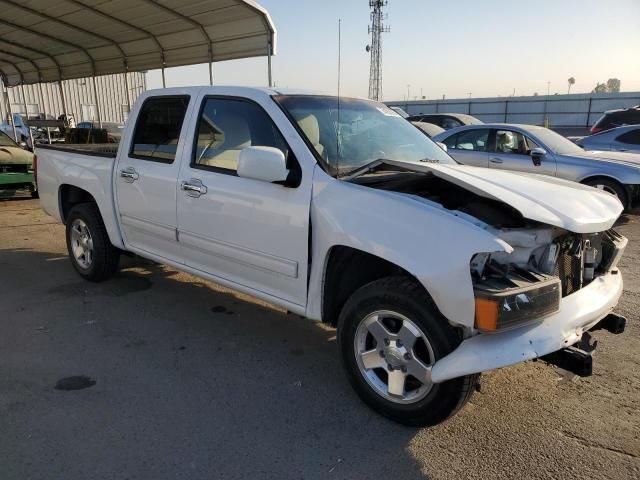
578,313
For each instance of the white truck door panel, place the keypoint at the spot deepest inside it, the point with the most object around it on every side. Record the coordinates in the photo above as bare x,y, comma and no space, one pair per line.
146,177
250,232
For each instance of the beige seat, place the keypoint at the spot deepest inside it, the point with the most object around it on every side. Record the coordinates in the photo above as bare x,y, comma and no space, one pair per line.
311,129
237,136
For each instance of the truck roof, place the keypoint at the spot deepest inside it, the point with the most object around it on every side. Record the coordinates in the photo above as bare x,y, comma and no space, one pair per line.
226,89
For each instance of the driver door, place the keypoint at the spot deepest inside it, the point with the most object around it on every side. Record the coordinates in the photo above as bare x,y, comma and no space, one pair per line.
511,151
249,233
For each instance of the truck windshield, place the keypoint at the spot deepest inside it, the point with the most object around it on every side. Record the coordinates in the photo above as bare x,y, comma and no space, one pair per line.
348,133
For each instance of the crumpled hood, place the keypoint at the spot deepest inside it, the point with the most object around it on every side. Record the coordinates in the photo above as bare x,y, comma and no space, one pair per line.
632,159
553,201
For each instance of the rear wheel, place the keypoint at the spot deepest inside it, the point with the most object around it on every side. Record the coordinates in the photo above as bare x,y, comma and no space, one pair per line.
609,186
90,250
390,333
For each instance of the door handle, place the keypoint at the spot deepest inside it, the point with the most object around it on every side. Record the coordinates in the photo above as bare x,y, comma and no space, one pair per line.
129,174
495,160
194,187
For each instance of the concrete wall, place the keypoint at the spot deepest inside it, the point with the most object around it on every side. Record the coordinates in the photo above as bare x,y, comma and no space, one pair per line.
80,98
575,110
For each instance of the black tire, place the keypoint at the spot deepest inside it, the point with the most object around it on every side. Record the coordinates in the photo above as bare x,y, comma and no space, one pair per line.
610,186
105,257
408,298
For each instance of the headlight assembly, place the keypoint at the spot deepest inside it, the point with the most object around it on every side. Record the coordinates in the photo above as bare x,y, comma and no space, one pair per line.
509,296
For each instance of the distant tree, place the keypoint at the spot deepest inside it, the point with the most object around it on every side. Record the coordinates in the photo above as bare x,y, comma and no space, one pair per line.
613,85
571,82
600,88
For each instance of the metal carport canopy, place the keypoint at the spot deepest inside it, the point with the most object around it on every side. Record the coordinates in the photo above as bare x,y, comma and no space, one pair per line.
53,40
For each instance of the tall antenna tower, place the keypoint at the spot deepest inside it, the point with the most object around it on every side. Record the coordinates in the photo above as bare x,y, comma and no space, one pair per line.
376,29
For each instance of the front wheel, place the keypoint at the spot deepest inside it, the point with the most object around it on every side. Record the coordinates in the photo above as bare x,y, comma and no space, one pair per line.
91,253
390,333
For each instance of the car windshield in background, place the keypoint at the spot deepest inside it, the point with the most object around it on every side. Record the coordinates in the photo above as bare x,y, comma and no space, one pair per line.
5,141
358,132
556,142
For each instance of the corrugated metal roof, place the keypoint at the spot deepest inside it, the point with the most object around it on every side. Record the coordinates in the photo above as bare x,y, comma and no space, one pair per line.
50,40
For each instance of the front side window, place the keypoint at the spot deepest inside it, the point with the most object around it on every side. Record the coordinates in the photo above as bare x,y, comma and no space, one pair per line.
158,128
475,140
348,133
508,141
226,126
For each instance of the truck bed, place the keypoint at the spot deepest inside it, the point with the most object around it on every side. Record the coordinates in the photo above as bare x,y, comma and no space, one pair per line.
97,149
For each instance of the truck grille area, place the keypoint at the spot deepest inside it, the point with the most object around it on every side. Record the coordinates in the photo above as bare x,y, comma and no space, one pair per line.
581,258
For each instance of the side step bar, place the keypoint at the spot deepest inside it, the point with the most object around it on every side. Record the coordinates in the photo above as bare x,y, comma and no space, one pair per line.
577,359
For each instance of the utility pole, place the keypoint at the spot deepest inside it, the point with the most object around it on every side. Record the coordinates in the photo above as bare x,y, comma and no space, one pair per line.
376,29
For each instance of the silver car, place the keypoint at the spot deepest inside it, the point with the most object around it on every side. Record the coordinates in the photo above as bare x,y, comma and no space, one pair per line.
529,148
621,139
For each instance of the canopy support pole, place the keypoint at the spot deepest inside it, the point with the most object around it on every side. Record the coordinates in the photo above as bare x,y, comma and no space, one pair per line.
126,86
44,111
95,93
26,114
269,64
64,101
13,120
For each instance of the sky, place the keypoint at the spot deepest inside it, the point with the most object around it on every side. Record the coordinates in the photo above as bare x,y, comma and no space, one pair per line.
478,48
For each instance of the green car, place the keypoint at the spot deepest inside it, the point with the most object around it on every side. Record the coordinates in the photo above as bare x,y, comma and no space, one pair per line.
16,166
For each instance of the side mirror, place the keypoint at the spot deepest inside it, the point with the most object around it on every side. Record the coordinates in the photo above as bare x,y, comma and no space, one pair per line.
263,163
442,146
537,154
23,145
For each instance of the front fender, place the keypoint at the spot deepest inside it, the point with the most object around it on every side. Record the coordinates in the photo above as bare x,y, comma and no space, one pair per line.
431,243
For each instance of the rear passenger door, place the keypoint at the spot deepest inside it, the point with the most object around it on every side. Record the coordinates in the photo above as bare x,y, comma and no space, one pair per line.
146,177
248,233
469,147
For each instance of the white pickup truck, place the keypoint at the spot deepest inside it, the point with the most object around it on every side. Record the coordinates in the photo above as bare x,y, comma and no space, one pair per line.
339,210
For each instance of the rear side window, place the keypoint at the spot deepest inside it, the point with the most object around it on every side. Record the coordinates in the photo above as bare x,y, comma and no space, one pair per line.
632,137
475,140
158,129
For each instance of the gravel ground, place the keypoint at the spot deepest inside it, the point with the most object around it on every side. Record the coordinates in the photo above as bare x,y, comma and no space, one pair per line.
192,382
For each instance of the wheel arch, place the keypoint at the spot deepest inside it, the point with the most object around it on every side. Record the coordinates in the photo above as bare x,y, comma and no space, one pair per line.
360,267
70,195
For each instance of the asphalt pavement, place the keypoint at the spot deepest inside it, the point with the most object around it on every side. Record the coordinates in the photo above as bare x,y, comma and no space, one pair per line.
156,374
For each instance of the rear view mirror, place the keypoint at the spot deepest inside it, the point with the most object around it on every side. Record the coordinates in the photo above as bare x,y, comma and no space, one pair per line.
442,146
537,154
263,163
